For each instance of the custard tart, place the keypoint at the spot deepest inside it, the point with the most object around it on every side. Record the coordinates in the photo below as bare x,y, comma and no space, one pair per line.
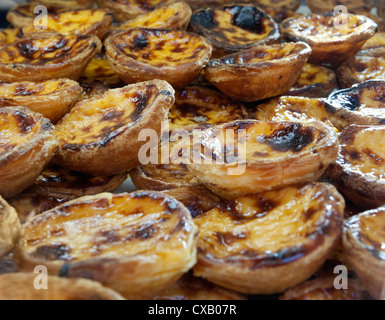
52,98
353,6
164,174
360,68
92,89
314,82
324,289
197,199
251,156
100,136
47,58
99,70
64,182
330,45
67,4
27,144
362,104
127,9
375,46
137,244
268,242
289,108
8,36
233,28
29,205
359,170
268,71
80,22
285,5
20,286
363,241
9,227
141,54
193,288
23,15
172,15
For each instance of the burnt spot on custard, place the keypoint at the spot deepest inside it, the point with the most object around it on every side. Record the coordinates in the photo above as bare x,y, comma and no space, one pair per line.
52,252
25,122
248,18
292,137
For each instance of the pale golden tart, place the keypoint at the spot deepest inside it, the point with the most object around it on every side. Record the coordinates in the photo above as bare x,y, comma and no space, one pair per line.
27,144
375,46
52,98
289,108
314,82
67,4
101,136
81,22
353,6
193,288
269,71
99,70
195,108
232,28
268,242
323,289
124,10
137,244
362,104
360,68
173,15
10,228
20,286
359,170
46,58
251,156
330,46
364,246
141,54
23,15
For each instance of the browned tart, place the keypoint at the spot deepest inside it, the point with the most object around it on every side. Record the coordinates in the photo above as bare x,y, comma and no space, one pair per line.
361,68
353,6
323,289
67,4
232,28
363,241
137,244
9,227
127,9
52,98
330,46
20,286
27,144
141,54
251,156
314,82
100,136
40,58
359,170
362,104
268,71
23,15
268,242
193,288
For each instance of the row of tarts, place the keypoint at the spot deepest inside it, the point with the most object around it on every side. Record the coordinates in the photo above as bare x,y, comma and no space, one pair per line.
76,97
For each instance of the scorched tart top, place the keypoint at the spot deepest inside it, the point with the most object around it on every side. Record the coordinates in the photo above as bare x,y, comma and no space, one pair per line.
235,27
159,48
